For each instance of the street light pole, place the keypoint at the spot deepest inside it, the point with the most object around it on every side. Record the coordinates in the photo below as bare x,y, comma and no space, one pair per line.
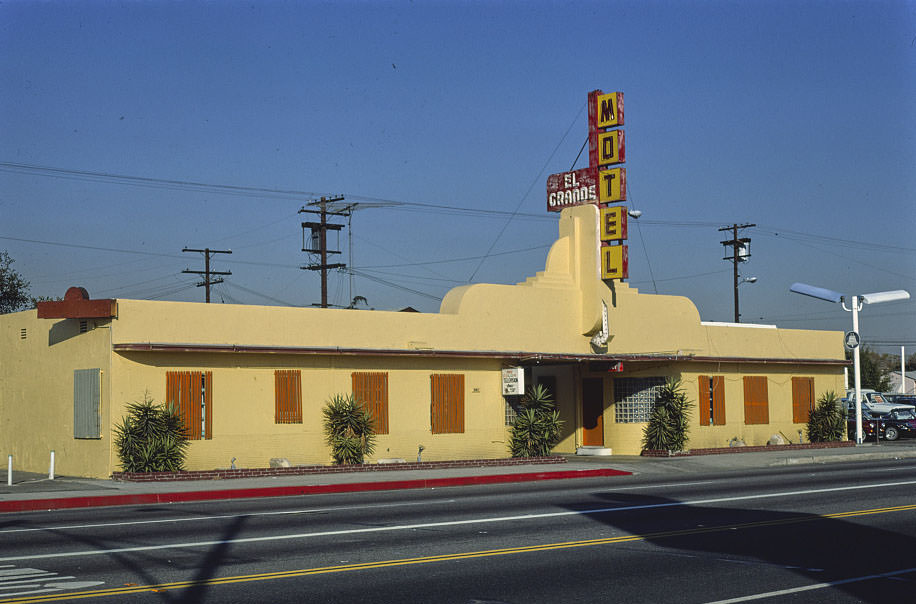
857,301
856,367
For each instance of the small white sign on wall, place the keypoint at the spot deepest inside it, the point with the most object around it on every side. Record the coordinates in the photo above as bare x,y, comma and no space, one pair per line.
513,381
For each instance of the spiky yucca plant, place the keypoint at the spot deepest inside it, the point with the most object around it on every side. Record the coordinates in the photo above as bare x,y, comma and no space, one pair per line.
151,438
537,426
668,422
349,429
826,422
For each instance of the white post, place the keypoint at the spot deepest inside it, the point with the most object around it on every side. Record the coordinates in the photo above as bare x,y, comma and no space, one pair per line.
51,469
857,371
9,471
902,388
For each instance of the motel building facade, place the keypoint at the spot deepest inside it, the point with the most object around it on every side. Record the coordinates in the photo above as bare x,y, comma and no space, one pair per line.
252,380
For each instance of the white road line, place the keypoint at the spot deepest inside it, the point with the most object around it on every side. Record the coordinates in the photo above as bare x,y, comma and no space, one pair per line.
223,517
427,525
795,590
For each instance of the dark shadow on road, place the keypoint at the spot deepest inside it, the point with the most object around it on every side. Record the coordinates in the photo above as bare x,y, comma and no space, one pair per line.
816,548
205,563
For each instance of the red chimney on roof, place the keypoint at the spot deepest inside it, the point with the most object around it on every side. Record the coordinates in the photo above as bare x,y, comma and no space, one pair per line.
77,305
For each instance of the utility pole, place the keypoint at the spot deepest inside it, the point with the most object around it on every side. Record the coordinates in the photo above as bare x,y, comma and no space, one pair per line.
741,251
319,237
207,282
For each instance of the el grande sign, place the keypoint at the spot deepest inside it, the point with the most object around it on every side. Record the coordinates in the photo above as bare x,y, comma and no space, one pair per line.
603,182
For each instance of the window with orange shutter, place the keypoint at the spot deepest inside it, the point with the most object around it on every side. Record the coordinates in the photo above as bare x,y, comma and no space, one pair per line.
191,394
802,399
756,401
711,402
371,391
447,403
287,396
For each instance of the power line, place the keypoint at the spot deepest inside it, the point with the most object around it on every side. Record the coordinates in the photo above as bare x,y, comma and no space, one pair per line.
525,196
394,285
170,184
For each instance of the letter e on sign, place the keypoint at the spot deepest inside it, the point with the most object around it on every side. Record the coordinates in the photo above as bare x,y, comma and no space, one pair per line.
613,223
610,110
614,262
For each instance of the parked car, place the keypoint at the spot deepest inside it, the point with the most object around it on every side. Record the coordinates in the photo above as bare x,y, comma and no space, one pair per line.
892,422
851,394
901,399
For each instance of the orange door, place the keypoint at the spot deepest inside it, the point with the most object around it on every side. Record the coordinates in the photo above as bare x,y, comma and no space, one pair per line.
592,409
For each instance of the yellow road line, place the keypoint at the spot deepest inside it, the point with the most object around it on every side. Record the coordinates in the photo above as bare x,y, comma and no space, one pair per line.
121,591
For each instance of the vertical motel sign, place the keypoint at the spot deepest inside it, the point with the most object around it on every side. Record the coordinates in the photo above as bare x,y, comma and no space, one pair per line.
604,182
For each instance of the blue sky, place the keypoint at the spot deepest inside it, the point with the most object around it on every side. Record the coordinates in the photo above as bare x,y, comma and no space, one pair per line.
796,116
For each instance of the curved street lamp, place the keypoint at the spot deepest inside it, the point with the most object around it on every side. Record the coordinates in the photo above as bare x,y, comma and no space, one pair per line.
857,302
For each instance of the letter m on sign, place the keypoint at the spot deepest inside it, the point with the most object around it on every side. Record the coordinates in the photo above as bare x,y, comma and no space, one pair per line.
610,110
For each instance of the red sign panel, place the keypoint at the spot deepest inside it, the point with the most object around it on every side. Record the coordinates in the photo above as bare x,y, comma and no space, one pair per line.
575,188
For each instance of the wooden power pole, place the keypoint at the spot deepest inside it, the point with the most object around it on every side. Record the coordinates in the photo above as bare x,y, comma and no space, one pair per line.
318,242
740,249
207,282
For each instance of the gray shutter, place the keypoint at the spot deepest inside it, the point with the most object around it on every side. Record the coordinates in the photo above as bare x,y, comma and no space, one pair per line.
86,403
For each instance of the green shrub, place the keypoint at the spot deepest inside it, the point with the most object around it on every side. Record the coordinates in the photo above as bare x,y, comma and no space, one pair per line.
536,428
827,422
349,429
668,422
151,438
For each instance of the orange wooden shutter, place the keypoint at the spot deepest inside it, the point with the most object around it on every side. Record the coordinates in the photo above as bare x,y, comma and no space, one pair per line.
802,399
447,404
437,403
756,406
371,390
208,404
718,400
288,396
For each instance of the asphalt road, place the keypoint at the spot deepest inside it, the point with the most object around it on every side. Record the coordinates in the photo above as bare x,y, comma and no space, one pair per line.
807,534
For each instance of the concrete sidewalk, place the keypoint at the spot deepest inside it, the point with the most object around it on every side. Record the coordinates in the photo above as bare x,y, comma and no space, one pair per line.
31,491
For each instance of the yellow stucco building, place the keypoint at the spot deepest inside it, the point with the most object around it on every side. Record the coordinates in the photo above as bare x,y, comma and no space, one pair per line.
254,379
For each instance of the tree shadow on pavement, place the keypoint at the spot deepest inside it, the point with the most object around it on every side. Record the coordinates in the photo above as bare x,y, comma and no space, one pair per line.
751,544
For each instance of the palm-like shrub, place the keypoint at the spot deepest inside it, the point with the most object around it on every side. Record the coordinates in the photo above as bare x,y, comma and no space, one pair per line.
536,428
349,429
151,438
826,422
668,422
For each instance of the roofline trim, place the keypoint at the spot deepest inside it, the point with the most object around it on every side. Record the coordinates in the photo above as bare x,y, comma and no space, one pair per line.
514,356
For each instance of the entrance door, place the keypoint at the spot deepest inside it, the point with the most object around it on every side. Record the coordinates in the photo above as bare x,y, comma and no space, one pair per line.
592,408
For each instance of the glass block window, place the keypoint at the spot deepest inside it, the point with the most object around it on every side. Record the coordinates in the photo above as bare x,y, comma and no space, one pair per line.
634,398
513,406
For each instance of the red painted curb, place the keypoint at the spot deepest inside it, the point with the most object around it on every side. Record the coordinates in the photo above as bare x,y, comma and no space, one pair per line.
28,505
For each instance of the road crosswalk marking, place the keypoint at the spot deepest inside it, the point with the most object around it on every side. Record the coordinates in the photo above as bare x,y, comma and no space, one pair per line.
29,581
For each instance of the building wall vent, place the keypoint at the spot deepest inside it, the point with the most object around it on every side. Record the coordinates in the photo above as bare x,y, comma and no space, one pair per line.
84,326
23,333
